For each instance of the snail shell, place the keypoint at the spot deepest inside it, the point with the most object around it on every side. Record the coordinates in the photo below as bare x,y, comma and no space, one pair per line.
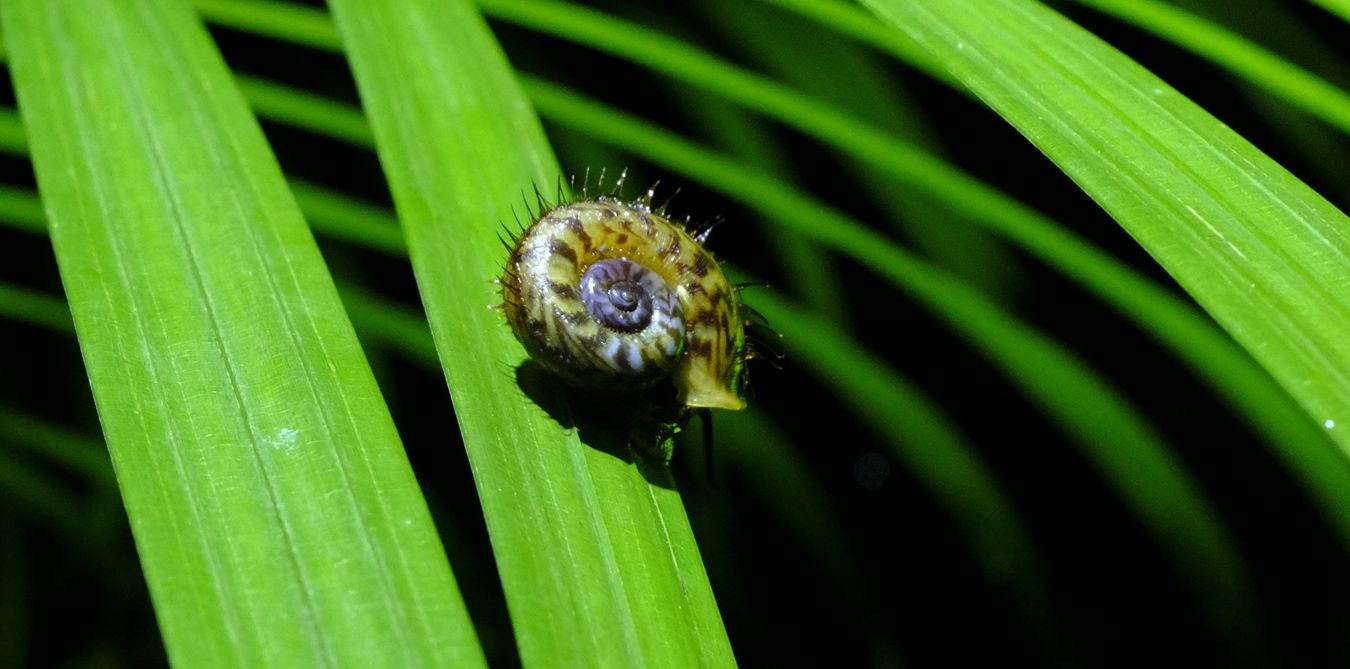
610,294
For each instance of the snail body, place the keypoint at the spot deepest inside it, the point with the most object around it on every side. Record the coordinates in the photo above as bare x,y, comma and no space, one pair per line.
612,294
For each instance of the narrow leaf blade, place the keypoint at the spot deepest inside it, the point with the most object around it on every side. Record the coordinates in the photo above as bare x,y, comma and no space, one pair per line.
1257,248
597,559
276,517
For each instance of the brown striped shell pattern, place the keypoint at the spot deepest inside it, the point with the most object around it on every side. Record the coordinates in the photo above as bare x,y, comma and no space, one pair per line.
612,294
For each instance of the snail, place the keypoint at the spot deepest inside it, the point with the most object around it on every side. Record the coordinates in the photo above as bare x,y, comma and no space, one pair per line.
612,294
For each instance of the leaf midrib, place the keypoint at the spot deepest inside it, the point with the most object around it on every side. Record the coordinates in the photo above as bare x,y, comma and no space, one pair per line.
189,251
121,265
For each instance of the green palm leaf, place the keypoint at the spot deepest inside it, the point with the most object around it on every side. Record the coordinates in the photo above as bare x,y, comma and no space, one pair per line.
574,528
276,517
800,554
1256,247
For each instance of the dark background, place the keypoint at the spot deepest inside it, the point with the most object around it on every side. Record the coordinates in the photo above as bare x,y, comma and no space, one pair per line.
896,584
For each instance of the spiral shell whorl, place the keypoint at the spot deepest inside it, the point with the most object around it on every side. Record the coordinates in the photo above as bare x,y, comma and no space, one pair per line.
612,294
626,296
